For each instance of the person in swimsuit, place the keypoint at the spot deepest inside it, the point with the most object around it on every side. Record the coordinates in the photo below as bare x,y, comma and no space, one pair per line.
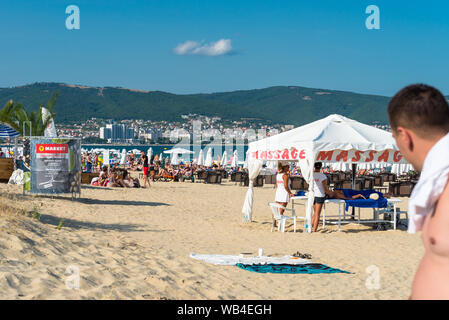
144,159
419,119
152,169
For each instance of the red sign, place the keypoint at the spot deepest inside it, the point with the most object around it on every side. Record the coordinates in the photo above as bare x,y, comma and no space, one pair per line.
52,148
390,156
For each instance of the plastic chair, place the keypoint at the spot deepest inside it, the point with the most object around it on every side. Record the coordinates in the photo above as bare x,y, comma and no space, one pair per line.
276,209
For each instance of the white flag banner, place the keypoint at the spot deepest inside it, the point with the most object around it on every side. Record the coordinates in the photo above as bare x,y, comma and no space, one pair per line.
50,131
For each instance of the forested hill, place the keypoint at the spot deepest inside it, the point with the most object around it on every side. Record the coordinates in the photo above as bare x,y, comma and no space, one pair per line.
282,104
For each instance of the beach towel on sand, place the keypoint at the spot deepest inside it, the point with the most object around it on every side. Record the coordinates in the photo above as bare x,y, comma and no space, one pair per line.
230,260
287,268
263,264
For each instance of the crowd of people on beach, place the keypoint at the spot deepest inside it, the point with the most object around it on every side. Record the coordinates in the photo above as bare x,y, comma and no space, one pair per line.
153,169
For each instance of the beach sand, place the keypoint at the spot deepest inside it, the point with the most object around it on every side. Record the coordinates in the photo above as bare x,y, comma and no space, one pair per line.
135,244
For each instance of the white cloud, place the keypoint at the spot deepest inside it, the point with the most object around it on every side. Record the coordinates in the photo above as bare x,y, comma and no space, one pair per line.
218,48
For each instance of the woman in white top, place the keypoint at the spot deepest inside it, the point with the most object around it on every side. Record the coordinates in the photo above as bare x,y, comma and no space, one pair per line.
283,192
320,189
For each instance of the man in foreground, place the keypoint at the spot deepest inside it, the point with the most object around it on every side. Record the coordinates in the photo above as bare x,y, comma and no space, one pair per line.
419,118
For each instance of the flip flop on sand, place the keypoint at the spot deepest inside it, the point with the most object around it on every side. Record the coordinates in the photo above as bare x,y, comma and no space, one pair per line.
301,255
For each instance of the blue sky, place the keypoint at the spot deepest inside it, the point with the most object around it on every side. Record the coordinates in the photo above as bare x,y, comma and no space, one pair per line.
320,44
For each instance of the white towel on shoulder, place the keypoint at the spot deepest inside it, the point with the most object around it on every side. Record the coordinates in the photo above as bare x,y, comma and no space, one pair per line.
433,179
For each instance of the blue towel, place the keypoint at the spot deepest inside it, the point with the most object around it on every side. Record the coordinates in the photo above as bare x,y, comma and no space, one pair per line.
309,268
300,193
362,203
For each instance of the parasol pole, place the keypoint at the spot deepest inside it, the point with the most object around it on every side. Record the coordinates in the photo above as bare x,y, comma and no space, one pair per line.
354,170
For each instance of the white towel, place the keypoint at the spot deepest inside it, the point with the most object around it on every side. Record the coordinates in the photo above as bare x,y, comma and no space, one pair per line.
230,260
433,179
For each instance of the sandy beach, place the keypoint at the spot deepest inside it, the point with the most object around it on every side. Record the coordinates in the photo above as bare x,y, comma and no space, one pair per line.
135,244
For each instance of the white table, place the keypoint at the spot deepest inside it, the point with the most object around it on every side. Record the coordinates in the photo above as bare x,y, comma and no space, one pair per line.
376,211
340,203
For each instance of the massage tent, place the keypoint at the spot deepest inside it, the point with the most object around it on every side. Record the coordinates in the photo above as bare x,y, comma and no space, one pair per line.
334,139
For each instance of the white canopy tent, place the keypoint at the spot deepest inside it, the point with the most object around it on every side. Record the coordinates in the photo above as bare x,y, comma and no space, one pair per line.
332,139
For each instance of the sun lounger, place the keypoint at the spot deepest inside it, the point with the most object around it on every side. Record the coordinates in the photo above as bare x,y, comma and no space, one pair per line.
364,203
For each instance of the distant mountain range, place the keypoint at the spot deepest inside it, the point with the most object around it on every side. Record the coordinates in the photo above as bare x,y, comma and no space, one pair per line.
282,104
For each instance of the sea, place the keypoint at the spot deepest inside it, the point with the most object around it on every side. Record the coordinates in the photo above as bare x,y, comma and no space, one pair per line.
217,150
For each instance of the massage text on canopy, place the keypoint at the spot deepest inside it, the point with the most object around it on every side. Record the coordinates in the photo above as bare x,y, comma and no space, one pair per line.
388,156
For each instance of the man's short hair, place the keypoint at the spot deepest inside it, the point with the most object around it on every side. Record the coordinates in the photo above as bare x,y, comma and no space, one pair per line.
318,165
421,108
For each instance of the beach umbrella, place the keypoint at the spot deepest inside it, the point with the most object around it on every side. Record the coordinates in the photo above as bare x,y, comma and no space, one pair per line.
8,132
106,157
235,159
201,158
245,164
208,161
123,157
408,167
178,151
150,153
271,165
224,159
174,159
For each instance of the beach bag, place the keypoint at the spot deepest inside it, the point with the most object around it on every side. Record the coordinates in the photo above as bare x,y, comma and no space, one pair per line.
16,177
94,181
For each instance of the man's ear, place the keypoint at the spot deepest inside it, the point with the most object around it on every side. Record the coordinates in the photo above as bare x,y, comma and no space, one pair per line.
407,138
